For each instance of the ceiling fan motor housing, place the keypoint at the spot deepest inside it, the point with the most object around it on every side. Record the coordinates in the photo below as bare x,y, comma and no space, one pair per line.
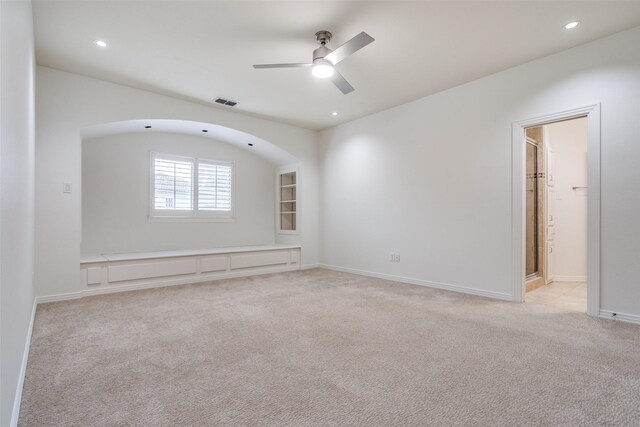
321,52
323,37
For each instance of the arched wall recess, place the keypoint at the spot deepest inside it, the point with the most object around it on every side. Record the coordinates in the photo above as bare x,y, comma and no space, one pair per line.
258,146
115,219
71,108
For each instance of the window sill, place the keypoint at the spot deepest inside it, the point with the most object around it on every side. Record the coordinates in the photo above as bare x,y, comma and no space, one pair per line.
287,232
155,219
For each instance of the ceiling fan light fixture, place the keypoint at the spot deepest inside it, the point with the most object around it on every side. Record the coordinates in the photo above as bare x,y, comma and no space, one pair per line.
322,69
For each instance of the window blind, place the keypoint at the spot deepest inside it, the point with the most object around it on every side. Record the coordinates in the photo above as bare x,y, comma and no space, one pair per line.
173,184
190,187
214,186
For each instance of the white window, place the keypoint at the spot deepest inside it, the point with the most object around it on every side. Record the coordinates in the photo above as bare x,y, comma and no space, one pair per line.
185,187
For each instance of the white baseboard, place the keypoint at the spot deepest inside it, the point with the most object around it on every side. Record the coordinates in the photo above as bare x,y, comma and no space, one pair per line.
23,370
569,279
623,317
310,266
58,297
160,282
430,284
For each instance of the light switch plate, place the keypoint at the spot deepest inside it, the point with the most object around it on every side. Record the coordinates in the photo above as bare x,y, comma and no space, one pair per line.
66,187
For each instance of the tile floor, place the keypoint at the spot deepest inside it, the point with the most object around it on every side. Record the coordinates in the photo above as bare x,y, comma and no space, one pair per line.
571,296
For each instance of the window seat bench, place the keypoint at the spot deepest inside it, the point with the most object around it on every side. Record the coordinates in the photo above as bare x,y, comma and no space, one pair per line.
138,270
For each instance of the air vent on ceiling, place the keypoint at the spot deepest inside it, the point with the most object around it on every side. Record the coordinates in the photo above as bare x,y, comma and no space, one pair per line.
225,102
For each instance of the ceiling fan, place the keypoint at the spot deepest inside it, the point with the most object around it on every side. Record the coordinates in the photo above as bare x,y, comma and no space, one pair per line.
325,59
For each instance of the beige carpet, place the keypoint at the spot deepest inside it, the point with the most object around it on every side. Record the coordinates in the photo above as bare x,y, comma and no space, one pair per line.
321,348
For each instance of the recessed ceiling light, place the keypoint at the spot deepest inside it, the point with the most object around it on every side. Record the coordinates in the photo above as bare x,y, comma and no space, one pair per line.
335,113
100,43
571,25
147,127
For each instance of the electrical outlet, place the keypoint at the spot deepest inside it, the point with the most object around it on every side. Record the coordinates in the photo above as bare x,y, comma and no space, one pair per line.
66,187
392,257
397,258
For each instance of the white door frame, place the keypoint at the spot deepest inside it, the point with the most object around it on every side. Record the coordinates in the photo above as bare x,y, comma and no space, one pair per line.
592,112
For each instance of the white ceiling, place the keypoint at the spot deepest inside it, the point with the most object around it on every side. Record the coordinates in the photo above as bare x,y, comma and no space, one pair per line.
201,50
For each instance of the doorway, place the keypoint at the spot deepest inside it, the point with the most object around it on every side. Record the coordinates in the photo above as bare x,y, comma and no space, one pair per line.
556,214
535,171
556,210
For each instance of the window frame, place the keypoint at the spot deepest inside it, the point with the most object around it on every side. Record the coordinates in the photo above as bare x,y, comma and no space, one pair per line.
194,214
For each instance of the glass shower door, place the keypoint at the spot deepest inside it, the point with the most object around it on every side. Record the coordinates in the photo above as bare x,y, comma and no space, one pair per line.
531,217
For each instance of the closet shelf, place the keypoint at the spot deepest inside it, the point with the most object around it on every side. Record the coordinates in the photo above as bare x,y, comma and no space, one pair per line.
287,189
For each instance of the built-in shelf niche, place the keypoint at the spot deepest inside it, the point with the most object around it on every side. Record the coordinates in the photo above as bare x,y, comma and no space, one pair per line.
287,201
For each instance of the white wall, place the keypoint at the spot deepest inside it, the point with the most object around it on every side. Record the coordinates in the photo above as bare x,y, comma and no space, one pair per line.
67,103
16,196
431,179
569,142
115,196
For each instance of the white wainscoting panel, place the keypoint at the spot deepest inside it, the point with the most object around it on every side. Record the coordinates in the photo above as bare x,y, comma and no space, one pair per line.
120,272
259,259
145,270
94,275
214,263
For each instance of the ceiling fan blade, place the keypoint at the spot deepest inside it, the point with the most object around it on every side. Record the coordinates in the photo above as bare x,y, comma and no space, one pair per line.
341,83
282,65
350,47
